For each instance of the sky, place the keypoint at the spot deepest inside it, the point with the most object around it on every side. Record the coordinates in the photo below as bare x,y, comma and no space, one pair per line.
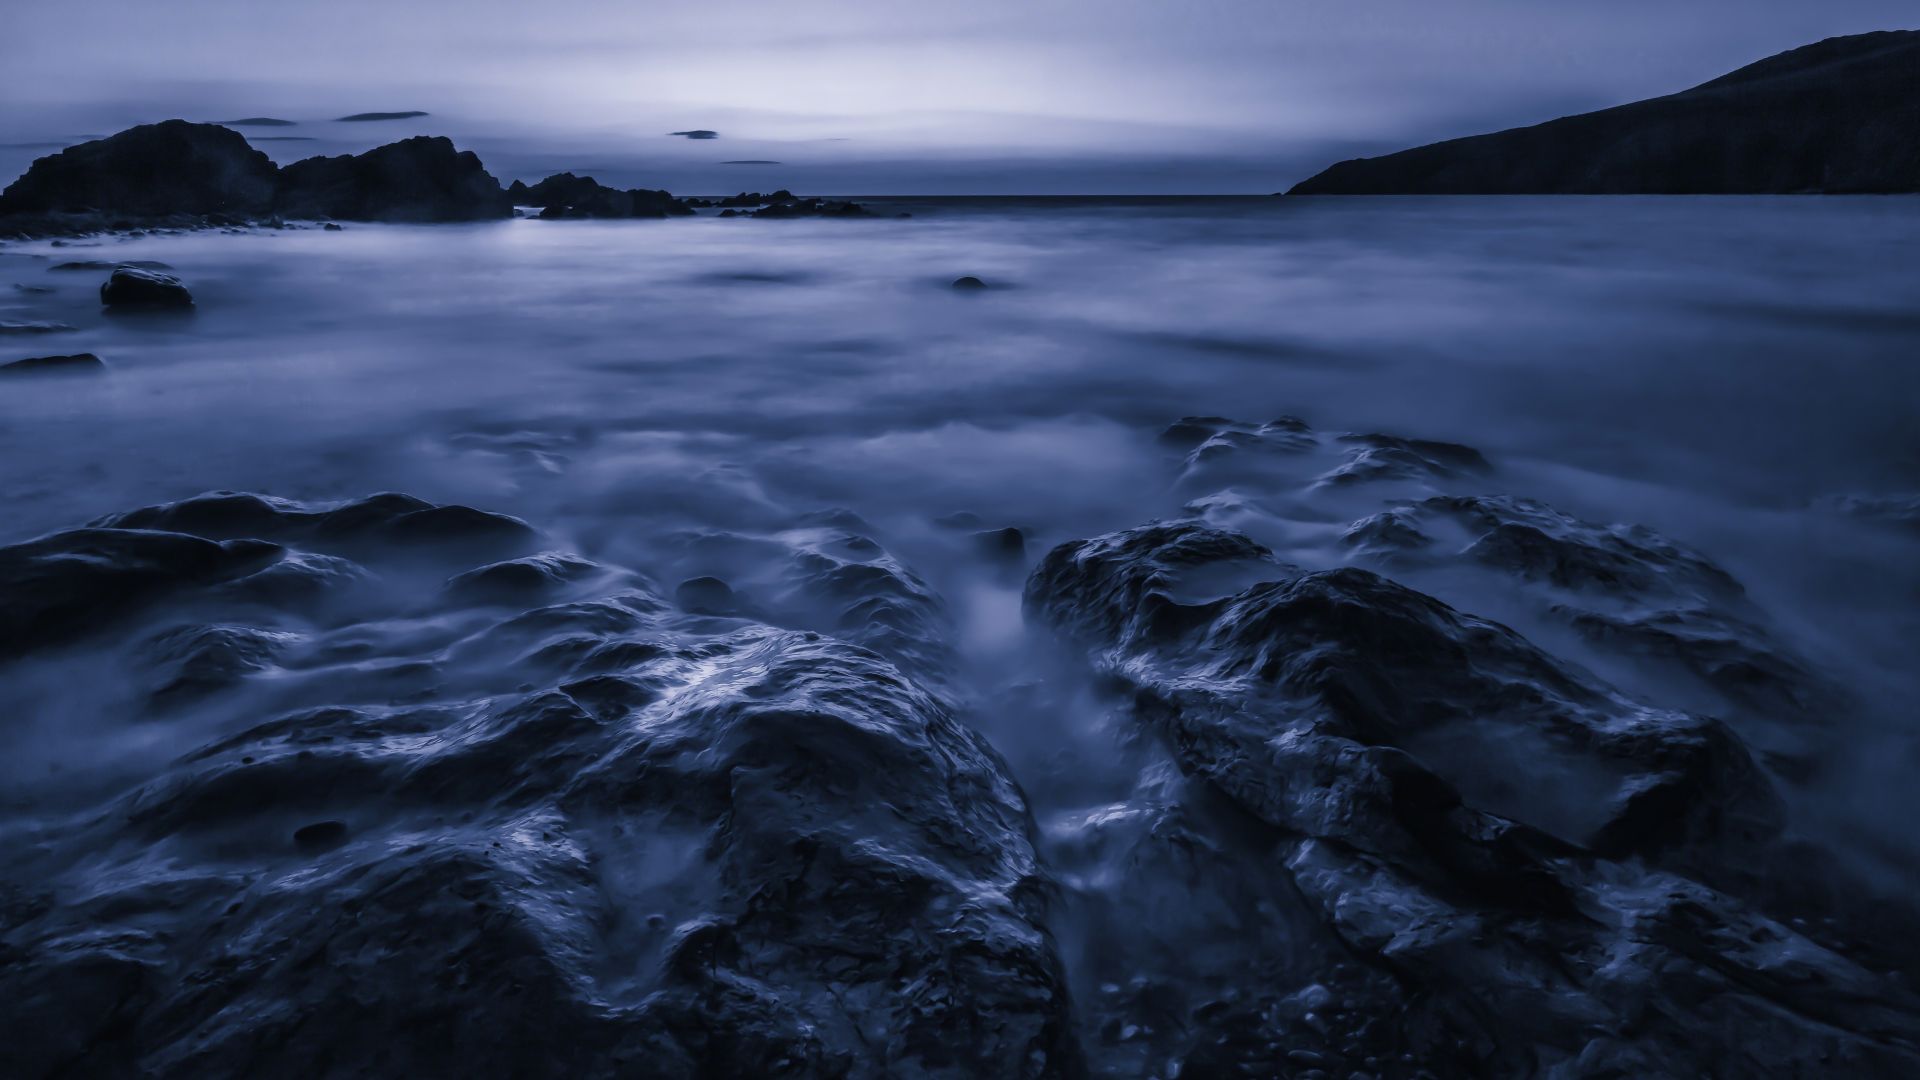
873,97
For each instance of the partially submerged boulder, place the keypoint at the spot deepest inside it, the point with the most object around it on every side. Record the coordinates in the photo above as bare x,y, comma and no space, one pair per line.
74,364
132,287
564,195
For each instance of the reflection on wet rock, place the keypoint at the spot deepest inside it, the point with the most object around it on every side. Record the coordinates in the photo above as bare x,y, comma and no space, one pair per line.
586,835
1537,857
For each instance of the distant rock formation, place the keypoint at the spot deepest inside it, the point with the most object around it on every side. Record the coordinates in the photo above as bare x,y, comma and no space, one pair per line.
564,195
1840,116
363,117
172,167
750,161
696,133
419,179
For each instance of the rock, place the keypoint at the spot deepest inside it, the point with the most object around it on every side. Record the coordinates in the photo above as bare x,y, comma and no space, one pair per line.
1008,545
564,195
61,586
754,852
419,179
96,264
968,282
380,526
320,836
9,326
331,227
1837,116
172,167
76,364
793,207
696,133
1523,848
1391,457
131,287
706,595
365,117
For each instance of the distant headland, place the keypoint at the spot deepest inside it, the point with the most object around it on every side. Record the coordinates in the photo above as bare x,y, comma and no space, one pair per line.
1840,116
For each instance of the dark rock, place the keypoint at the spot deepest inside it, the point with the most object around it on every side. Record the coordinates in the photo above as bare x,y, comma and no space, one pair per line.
790,207
358,118
189,662
968,282
131,287
761,852
418,179
96,264
696,133
76,364
1524,848
706,596
172,167
564,195
1837,116
331,227
1391,457
750,161
70,583
1008,545
392,525
320,836
534,577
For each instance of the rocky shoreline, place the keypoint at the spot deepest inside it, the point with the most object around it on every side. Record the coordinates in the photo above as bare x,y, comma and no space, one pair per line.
551,813
178,176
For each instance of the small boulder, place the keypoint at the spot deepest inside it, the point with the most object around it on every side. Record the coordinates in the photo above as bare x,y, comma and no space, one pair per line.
77,364
706,596
320,836
131,286
969,282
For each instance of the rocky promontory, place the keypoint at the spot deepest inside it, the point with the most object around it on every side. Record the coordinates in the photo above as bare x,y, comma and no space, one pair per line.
1839,116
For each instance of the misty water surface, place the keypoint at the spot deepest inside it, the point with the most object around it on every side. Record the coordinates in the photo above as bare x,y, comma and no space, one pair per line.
1716,369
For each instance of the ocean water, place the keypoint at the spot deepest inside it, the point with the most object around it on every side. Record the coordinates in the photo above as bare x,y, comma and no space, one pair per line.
1726,372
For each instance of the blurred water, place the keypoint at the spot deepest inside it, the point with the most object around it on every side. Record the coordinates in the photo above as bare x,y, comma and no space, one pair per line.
1711,368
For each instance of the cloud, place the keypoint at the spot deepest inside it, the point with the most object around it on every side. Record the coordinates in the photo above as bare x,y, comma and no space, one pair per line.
697,133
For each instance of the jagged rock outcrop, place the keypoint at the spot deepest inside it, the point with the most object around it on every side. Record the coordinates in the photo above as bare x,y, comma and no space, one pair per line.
173,167
535,821
1842,115
564,195
1553,878
419,179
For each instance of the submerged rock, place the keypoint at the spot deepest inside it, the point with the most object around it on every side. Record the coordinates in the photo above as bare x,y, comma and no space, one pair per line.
173,167
968,282
132,287
76,364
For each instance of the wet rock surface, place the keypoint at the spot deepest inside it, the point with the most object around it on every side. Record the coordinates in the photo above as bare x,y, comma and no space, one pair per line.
444,791
1525,915
133,287
573,829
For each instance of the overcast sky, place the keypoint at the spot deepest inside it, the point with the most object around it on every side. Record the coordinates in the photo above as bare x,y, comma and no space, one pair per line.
869,96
